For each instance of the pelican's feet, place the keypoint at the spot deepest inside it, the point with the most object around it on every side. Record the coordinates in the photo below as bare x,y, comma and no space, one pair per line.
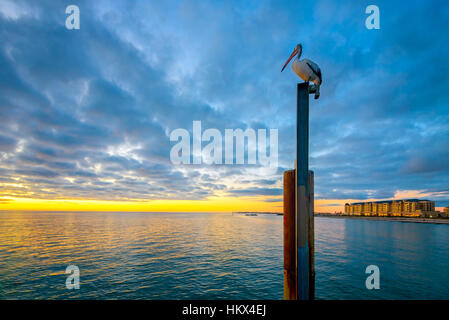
315,89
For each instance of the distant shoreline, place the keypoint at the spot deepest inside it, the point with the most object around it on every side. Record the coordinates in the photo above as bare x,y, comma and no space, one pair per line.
258,212
397,219
330,215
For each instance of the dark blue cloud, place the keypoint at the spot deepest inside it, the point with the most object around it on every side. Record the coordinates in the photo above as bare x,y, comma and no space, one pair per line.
255,191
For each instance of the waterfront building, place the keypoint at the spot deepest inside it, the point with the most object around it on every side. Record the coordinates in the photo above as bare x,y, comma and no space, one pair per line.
394,208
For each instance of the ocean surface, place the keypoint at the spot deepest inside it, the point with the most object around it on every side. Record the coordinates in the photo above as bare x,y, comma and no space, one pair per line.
212,256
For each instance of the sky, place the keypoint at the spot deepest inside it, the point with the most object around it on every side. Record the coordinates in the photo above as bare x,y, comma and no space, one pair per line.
86,115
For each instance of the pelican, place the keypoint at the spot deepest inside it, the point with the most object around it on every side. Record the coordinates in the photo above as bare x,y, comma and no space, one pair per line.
307,70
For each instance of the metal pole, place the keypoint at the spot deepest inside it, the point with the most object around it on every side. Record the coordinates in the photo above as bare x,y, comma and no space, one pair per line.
302,190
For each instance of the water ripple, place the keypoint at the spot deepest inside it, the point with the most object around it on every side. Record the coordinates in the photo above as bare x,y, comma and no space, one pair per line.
211,256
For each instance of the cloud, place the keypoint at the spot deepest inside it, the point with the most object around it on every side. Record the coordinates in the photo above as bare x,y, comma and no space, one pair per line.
87,113
256,192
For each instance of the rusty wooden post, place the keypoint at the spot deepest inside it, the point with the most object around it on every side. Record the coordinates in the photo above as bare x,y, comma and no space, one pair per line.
289,236
290,270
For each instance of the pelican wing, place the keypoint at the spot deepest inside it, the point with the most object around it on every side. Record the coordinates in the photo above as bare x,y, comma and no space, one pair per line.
314,68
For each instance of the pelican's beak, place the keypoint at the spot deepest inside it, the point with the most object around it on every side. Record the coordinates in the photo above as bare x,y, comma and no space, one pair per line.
294,53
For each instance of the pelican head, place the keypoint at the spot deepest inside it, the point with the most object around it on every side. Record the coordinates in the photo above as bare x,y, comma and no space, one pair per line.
296,51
